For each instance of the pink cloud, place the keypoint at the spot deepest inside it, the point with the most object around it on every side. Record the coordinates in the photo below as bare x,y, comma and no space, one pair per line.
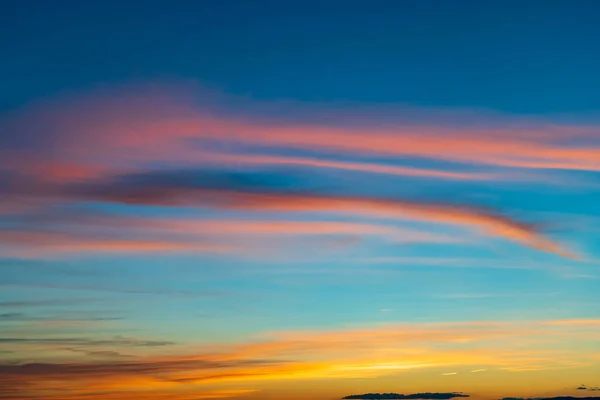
124,130
487,222
121,132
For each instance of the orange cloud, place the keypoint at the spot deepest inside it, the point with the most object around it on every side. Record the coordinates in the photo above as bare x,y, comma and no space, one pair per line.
71,234
485,221
488,222
351,353
37,243
282,227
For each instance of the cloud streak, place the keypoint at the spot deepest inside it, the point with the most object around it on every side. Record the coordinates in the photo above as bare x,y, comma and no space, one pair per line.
106,148
117,341
351,353
94,234
249,193
160,122
252,192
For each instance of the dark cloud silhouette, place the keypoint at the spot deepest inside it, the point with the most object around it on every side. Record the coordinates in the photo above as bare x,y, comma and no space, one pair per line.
437,396
551,398
589,388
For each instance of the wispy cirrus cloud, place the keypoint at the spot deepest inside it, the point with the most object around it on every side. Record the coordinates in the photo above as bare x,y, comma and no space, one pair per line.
44,243
99,353
94,233
250,193
114,289
45,320
159,123
160,146
255,192
45,302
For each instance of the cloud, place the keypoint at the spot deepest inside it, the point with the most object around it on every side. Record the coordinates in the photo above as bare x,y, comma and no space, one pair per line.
49,321
248,191
100,353
162,146
374,168
83,134
11,316
116,341
396,338
114,380
48,244
551,398
590,388
40,241
46,302
350,353
192,188
69,322
298,228
437,396
125,290
92,233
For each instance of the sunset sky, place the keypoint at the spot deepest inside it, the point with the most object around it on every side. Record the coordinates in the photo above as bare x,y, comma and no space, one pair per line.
299,199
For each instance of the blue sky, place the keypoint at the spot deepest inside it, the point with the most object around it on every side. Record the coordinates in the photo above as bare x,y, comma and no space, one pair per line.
535,57
240,199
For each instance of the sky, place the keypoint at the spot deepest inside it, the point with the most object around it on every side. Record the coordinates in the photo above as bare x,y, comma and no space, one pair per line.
299,199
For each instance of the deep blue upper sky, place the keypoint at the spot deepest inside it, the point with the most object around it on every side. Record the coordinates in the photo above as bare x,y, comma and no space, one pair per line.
513,56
